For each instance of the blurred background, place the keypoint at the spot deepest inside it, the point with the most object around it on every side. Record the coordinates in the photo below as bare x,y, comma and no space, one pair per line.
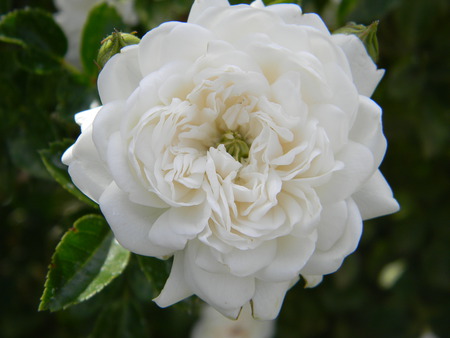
397,284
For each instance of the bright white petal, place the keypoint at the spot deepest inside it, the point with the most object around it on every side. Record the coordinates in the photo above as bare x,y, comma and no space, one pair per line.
247,262
178,225
358,166
331,227
365,73
87,170
176,288
201,6
269,297
367,129
121,170
375,198
131,222
325,262
292,255
225,292
120,76
170,43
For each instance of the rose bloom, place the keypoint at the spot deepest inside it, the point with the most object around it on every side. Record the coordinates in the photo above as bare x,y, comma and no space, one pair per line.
213,325
243,143
72,15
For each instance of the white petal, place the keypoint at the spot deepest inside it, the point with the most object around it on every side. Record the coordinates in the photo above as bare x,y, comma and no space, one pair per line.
172,42
290,13
225,292
178,225
85,118
292,255
325,262
358,166
120,76
269,297
366,76
312,280
367,129
107,121
333,221
131,222
247,262
121,170
375,198
201,6
88,172
176,288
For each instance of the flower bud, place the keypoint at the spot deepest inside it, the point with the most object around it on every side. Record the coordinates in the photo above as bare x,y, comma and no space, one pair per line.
367,34
113,44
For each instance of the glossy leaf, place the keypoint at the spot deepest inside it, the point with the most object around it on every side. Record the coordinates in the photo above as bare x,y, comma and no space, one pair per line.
42,42
121,318
103,19
52,161
116,261
86,260
157,271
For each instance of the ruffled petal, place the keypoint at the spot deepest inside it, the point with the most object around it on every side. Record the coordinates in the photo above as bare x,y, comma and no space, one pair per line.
292,255
200,7
120,76
172,42
366,76
87,170
225,292
247,262
367,129
325,262
131,222
176,226
358,166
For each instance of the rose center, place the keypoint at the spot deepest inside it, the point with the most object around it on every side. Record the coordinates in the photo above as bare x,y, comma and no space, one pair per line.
235,145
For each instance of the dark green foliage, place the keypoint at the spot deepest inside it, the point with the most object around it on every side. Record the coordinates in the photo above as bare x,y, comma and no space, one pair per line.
41,41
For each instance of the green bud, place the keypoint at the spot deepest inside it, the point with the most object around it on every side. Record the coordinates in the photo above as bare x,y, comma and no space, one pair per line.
367,34
113,44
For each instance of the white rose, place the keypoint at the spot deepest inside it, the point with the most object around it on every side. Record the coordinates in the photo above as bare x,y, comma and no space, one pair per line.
158,155
214,325
72,15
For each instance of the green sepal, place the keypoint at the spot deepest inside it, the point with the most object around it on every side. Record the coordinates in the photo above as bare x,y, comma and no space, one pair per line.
85,261
156,271
113,44
102,20
367,34
52,161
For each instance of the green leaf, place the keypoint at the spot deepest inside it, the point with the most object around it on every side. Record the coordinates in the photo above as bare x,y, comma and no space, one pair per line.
157,271
122,319
116,261
42,42
103,19
52,161
85,261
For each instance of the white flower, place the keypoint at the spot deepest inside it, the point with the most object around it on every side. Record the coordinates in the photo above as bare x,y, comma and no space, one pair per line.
165,156
214,325
72,15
